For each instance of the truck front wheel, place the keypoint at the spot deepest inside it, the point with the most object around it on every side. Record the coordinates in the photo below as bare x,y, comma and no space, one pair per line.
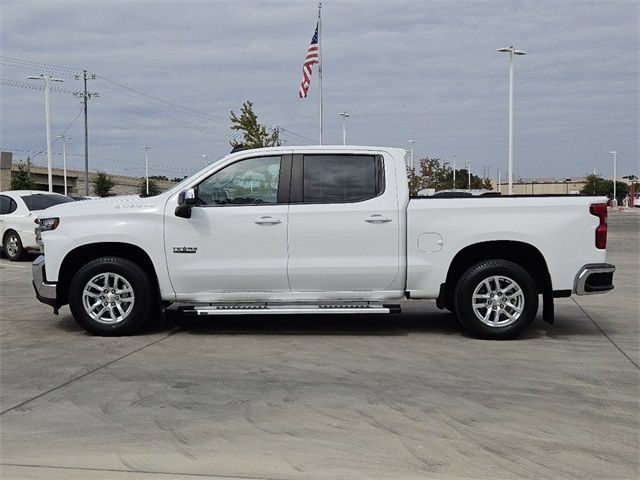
111,296
496,299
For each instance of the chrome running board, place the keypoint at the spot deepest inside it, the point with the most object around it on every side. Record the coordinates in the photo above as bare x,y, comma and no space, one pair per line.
266,309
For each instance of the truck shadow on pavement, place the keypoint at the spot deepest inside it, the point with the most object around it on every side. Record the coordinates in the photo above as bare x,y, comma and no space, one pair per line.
439,323
360,325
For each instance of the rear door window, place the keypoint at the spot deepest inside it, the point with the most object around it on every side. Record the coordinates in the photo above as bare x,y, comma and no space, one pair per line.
342,178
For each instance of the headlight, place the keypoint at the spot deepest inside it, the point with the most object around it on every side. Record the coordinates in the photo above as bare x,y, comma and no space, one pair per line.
49,223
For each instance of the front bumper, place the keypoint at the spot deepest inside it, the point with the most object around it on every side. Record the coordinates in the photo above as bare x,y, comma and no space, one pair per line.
594,278
45,291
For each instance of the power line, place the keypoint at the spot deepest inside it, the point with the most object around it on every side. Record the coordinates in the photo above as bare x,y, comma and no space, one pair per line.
282,129
34,86
203,115
44,149
136,164
38,66
172,119
162,118
125,106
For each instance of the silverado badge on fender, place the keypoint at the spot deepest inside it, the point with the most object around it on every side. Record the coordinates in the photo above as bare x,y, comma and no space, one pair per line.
185,249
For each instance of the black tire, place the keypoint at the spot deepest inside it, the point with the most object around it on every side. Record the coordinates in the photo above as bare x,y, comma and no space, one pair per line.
13,248
135,313
508,317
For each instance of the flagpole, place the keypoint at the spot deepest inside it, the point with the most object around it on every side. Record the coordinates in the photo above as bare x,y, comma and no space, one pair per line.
320,65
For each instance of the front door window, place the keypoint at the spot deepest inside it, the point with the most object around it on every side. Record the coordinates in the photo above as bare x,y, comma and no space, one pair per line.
248,182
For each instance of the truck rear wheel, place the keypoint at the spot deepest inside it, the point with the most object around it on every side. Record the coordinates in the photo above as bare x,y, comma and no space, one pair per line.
111,296
496,299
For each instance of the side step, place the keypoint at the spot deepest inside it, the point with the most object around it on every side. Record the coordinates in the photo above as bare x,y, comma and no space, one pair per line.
278,309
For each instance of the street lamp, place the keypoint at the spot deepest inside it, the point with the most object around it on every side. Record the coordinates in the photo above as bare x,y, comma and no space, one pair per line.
64,159
344,116
47,79
512,51
412,143
146,164
615,162
454,169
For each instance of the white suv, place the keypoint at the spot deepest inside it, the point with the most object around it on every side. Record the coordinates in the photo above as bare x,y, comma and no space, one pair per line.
18,210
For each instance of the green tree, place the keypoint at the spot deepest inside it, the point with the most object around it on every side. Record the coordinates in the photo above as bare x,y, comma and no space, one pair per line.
102,184
21,179
429,174
254,134
598,185
433,173
462,180
154,189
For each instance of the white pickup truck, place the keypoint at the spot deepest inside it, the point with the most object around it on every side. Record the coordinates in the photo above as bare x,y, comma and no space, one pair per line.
325,230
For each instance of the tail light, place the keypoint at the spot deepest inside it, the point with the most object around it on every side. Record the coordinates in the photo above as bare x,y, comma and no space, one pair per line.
600,211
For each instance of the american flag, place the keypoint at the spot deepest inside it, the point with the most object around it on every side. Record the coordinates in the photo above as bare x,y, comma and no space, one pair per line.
311,58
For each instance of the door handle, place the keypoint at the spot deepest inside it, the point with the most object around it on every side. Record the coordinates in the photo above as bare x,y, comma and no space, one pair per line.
266,220
377,218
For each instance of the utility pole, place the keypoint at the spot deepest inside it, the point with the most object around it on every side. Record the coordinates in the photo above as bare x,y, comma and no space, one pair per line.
85,96
64,159
469,175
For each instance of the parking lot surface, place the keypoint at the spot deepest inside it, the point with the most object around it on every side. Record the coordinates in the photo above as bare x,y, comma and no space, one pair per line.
404,396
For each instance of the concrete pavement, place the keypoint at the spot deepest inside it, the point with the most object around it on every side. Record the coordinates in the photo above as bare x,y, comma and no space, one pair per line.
347,397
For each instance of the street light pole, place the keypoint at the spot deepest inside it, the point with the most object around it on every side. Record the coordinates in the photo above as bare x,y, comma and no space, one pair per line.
412,143
344,116
47,120
64,159
454,169
146,164
512,51
615,162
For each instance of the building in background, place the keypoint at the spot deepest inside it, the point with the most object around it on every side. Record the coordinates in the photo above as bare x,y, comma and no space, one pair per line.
124,185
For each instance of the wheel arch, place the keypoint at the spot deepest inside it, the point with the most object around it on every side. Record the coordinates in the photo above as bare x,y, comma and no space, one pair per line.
83,254
520,253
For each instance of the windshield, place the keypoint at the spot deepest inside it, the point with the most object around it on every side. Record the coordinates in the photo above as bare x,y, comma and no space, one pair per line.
40,201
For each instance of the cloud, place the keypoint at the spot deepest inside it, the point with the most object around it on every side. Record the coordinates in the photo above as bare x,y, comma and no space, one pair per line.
423,70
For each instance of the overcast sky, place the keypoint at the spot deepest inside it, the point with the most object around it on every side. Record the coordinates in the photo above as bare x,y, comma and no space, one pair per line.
423,70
